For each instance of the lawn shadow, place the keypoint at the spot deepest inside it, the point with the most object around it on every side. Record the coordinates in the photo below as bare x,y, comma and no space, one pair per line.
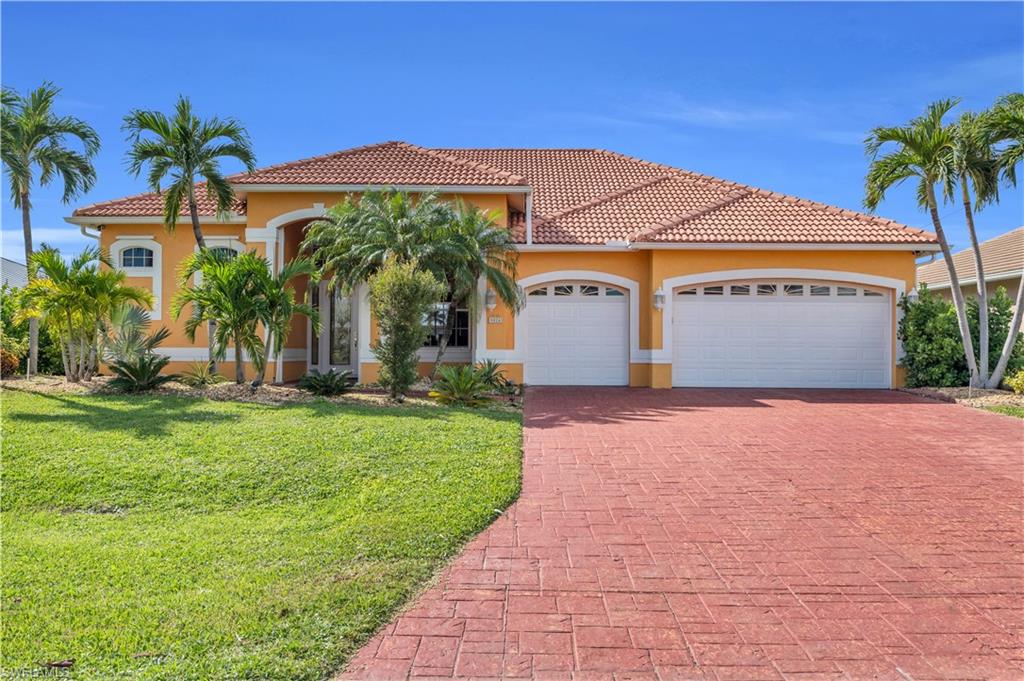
145,416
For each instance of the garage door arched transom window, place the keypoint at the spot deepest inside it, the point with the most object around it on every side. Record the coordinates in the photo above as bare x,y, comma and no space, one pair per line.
578,334
781,333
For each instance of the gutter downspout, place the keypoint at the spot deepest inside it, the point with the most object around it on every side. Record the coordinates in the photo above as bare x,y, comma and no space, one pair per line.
90,235
529,217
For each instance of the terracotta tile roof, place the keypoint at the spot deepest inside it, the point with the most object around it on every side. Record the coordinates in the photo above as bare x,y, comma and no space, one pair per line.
583,196
388,163
1002,255
151,204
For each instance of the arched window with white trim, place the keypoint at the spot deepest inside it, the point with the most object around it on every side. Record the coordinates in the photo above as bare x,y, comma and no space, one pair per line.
137,257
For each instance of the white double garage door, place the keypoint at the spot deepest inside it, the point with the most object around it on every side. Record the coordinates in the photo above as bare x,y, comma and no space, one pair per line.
760,333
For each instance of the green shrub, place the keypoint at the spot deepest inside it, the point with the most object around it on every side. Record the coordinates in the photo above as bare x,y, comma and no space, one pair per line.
200,374
139,372
492,375
1016,382
934,354
465,386
327,385
401,295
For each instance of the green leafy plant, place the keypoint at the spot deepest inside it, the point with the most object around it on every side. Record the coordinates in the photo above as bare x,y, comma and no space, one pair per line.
1016,382
139,373
332,383
126,334
465,386
931,339
76,300
401,294
492,375
200,374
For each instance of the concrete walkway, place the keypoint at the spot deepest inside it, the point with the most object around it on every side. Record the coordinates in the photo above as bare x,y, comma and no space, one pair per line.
737,534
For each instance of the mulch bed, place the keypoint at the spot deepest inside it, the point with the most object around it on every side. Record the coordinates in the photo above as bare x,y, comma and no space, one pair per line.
972,397
232,392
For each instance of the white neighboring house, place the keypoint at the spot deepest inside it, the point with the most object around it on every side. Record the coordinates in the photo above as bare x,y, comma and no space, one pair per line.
1003,260
12,273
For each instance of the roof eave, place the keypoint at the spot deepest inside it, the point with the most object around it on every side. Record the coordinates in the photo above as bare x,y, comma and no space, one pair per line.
414,188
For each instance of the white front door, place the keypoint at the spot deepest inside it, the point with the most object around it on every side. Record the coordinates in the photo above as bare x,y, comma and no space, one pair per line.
781,334
577,334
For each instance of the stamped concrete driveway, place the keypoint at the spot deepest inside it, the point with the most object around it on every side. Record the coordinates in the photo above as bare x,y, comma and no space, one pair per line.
737,534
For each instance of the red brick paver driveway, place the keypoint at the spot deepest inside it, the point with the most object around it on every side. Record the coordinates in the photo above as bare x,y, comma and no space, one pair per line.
737,534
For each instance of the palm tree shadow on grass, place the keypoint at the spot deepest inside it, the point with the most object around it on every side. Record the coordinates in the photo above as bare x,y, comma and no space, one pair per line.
145,416
148,416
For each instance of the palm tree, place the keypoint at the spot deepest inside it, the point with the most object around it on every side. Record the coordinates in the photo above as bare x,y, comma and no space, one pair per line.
923,151
77,299
35,138
1005,124
189,150
277,306
974,165
473,246
225,296
358,235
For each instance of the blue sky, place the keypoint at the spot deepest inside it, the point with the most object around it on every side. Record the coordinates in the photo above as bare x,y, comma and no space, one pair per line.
775,95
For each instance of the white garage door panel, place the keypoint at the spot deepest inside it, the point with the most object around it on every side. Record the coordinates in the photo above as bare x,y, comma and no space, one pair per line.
781,341
577,340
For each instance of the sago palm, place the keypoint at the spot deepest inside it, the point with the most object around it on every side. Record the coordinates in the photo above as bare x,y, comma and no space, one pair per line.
223,295
472,247
921,150
276,307
34,147
976,170
189,150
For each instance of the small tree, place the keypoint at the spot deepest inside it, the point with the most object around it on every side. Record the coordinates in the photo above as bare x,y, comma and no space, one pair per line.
401,295
76,300
224,296
277,306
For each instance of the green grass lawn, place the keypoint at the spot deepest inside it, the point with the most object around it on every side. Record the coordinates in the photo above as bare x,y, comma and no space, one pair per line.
1009,410
172,538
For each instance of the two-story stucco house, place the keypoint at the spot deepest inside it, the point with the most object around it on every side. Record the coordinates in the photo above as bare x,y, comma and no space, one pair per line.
634,273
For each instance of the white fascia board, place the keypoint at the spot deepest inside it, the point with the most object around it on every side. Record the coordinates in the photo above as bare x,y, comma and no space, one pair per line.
443,188
784,247
91,220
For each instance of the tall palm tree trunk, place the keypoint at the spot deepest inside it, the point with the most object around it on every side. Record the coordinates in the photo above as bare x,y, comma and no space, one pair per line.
982,291
262,374
197,232
1011,339
954,282
239,360
32,364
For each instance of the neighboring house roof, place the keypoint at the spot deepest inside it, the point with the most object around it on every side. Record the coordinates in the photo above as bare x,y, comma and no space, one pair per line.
580,196
1002,257
12,273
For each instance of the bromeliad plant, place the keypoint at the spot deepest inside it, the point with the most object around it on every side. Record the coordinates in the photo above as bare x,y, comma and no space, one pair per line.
76,300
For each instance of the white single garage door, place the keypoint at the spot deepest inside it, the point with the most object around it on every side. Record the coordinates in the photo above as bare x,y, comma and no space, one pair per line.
781,334
577,334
